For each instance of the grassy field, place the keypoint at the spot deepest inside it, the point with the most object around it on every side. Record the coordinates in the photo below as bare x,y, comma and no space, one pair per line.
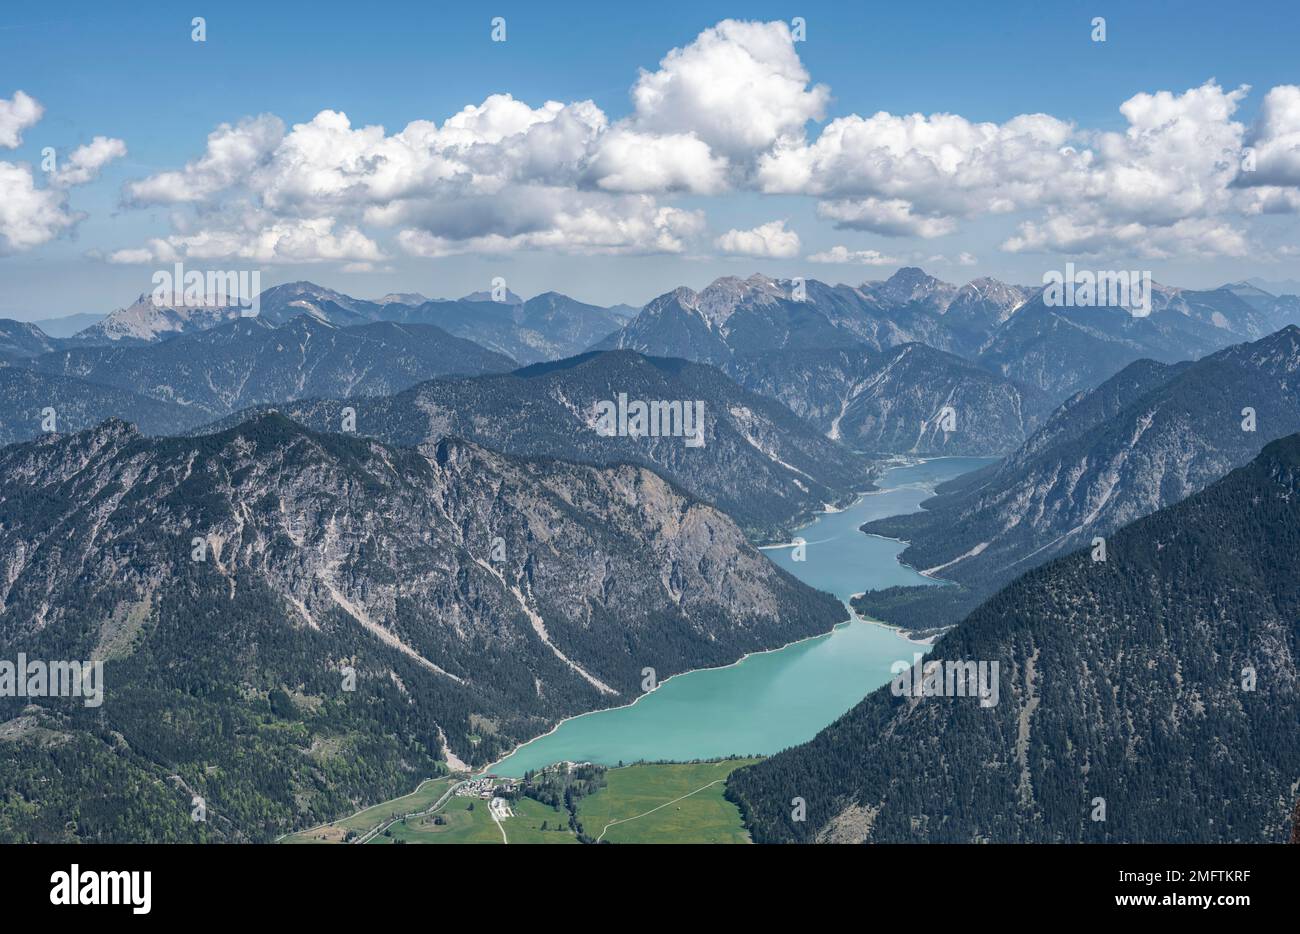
680,803
462,825
526,825
640,804
476,826
367,820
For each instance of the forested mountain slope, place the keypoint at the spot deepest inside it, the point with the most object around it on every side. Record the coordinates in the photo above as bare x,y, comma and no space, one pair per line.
1161,683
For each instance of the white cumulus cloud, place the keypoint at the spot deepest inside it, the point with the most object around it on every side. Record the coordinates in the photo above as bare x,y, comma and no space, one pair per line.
31,215
231,155
83,164
739,86
19,113
637,225
735,111
892,217
1276,141
267,242
643,162
842,254
770,240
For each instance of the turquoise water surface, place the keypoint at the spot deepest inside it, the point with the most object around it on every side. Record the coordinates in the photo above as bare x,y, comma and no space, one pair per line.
771,700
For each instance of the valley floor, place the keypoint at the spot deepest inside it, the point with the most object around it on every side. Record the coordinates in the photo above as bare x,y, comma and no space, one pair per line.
643,803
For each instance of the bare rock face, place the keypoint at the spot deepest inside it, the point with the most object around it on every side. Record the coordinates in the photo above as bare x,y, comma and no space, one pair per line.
733,316
471,595
145,320
912,285
893,401
757,462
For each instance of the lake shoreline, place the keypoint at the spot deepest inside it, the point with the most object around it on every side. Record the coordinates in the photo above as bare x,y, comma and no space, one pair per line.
640,697
599,743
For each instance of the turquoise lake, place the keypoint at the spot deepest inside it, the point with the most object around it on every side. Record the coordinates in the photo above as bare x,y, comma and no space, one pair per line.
770,700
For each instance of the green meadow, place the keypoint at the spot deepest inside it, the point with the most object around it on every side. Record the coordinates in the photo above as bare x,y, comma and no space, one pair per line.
463,825
676,803
659,803
372,818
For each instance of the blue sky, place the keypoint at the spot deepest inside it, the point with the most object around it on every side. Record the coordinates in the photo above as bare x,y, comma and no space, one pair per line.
131,72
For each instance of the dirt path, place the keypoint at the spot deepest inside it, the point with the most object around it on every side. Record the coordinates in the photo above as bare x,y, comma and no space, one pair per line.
624,820
501,826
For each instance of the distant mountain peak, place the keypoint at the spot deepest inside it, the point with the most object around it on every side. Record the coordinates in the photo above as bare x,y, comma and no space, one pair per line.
144,320
552,299
1246,286
402,298
987,285
721,297
486,296
112,430
910,275
307,288
913,284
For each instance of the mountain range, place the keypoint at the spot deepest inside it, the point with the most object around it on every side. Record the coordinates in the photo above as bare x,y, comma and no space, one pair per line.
893,400
250,361
348,543
1150,697
36,403
19,339
1007,329
760,464
1062,350
1146,438
545,327
290,621
738,316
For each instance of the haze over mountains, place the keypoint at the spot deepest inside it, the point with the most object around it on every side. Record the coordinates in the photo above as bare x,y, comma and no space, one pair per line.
19,339
1161,683
32,397
249,361
1007,329
416,490
1062,350
545,327
68,325
908,364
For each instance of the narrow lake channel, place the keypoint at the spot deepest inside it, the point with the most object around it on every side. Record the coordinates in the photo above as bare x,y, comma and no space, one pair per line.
771,700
